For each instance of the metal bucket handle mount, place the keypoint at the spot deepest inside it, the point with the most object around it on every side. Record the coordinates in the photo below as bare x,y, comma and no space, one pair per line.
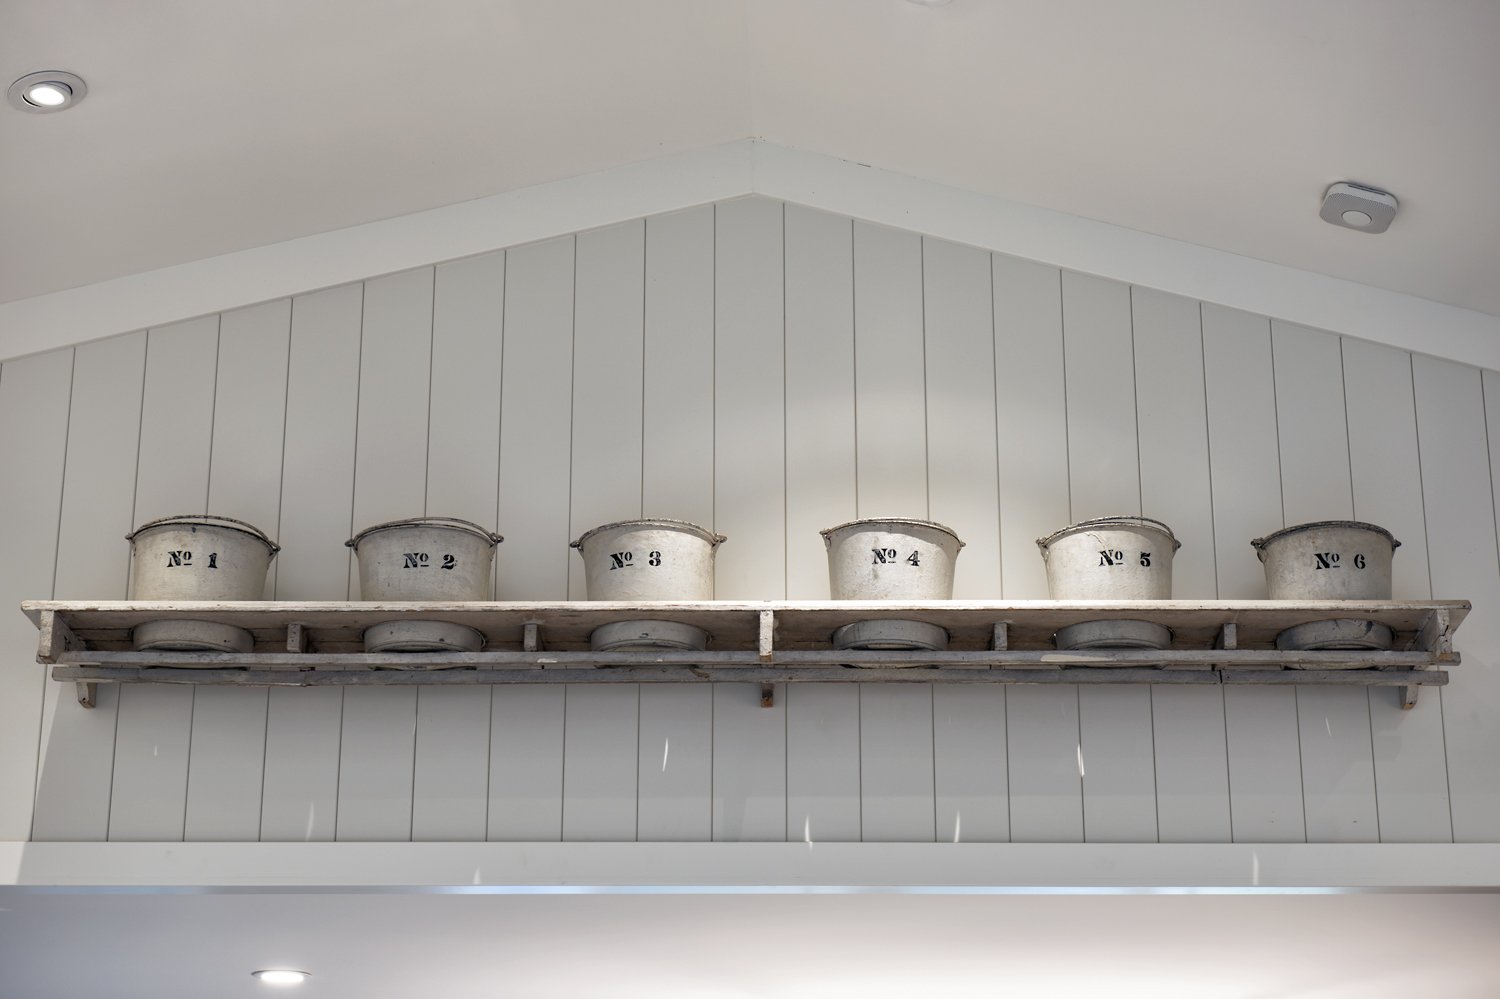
1124,520
454,522
207,520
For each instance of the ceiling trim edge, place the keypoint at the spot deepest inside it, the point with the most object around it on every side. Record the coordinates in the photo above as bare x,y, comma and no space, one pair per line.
249,277
942,868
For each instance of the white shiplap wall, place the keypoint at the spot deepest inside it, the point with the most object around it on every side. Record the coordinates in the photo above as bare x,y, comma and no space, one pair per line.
767,370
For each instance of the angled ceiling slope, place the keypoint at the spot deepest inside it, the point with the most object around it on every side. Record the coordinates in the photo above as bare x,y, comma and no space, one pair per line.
217,127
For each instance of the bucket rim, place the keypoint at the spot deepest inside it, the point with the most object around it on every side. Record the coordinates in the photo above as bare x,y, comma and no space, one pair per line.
1259,544
208,520
864,521
1122,520
452,523
687,526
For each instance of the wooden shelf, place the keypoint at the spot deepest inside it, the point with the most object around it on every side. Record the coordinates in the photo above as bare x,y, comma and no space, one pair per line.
320,644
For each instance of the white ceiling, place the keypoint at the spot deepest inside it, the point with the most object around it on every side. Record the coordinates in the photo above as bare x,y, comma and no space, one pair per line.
218,125
880,946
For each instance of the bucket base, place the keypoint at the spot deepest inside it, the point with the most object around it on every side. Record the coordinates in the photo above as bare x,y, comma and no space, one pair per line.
191,636
421,636
647,636
1340,633
891,636
1113,635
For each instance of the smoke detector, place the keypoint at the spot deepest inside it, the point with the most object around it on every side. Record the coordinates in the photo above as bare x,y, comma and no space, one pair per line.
1354,206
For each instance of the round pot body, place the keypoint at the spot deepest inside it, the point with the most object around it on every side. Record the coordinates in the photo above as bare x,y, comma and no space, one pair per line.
429,558
437,559
197,558
891,559
639,560
1111,558
1328,560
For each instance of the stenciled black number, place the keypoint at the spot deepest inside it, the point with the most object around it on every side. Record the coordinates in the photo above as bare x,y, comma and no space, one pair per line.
654,558
449,561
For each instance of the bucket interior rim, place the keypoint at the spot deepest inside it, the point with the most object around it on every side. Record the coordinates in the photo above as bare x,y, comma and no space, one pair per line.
450,523
685,526
207,520
872,521
1259,544
1124,520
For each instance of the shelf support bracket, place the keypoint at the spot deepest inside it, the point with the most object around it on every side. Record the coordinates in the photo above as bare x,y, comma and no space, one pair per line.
766,653
1000,638
531,637
88,693
297,638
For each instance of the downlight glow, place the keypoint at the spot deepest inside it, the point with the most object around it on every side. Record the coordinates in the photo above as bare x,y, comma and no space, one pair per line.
45,92
281,977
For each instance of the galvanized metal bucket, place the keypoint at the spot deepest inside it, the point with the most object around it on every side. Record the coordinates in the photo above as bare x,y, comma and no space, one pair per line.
1111,558
194,557
648,560
1330,560
438,559
885,558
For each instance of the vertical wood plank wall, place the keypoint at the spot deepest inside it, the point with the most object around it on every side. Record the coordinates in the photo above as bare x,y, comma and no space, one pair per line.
765,370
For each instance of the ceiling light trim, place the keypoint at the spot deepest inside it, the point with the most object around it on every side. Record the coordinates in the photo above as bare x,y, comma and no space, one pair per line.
69,86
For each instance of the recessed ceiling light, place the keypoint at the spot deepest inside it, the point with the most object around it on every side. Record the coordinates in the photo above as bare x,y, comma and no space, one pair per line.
1355,206
47,91
281,976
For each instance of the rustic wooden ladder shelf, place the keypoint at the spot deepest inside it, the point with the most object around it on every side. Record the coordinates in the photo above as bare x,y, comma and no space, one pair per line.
765,642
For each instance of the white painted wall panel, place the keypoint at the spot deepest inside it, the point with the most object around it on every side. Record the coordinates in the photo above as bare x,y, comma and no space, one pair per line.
970,763
155,722
299,796
34,402
962,454
526,764
1338,767
759,346
820,430
749,400
889,373
78,746
377,748
1260,723
1046,796
1192,773
822,720
608,389
601,761
677,417
897,801
1045,760
675,757
1456,472
450,777
823,763
1119,778
1411,782
536,405
749,779
1032,427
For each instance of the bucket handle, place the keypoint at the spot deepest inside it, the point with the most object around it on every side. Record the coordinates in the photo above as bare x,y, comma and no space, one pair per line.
468,525
208,520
